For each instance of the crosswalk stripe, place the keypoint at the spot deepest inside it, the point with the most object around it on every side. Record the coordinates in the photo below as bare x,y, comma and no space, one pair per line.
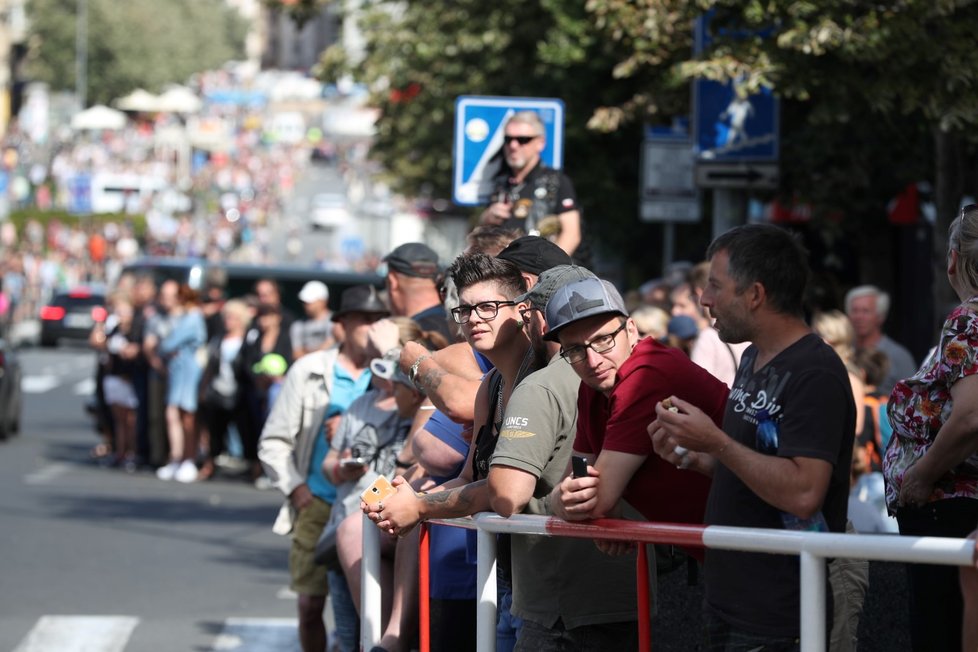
84,387
38,384
46,473
79,634
258,635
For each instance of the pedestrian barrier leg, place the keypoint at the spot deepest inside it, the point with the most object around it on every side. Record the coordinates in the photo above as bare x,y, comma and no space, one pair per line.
486,587
812,602
424,589
642,590
370,597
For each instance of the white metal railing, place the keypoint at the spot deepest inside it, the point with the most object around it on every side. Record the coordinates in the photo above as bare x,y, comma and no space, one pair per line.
811,547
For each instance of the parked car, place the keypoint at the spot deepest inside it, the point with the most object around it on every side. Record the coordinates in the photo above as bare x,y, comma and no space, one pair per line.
10,395
71,315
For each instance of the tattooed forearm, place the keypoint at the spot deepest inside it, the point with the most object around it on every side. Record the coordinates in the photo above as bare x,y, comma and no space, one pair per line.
458,502
430,380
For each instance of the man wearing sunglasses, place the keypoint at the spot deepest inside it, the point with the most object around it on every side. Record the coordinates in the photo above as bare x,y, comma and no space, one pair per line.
529,195
622,379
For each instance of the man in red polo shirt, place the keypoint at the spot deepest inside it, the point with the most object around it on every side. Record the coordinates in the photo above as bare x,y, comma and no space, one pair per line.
622,379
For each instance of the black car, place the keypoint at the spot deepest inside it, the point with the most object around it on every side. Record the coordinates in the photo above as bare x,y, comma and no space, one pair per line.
71,315
10,395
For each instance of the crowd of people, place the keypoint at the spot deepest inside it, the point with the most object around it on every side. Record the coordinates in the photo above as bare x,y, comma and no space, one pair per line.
710,396
515,380
529,360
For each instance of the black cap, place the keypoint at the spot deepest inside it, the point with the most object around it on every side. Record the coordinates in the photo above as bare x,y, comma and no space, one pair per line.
534,255
413,259
360,298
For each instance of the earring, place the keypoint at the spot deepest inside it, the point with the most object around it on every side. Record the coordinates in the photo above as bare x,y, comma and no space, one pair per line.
519,323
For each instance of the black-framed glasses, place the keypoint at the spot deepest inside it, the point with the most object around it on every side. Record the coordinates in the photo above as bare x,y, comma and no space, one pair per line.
522,140
600,344
486,310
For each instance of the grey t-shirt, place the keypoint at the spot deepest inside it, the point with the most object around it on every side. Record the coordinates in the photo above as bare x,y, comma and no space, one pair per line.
557,577
378,434
309,334
902,365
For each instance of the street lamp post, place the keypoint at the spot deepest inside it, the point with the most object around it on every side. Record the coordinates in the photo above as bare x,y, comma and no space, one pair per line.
81,53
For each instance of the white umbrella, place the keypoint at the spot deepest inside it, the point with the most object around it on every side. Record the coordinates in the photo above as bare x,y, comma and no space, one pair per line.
139,100
98,117
179,99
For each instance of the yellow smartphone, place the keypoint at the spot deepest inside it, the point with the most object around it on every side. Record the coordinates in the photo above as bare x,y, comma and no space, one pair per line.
379,489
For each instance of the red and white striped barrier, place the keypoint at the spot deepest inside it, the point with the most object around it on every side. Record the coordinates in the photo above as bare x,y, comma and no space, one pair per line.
811,547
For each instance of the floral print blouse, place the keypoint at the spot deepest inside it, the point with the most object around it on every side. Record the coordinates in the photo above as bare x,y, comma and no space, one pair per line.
920,405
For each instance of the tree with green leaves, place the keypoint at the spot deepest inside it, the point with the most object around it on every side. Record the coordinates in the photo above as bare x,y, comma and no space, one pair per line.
131,44
874,96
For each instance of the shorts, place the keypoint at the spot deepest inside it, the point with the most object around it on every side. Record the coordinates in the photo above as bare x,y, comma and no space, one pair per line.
308,577
119,391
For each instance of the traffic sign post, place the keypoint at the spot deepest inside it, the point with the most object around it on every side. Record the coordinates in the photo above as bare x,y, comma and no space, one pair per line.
736,135
477,152
668,189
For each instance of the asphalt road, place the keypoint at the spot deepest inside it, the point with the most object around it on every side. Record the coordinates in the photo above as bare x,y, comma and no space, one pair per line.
96,559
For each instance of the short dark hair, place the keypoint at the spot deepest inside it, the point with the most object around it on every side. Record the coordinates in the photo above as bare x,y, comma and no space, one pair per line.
771,256
469,269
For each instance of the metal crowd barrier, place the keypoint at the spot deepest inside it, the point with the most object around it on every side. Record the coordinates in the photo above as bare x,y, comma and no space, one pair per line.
812,548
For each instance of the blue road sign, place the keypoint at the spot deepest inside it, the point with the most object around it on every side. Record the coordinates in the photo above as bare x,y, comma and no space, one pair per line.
477,154
727,126
733,128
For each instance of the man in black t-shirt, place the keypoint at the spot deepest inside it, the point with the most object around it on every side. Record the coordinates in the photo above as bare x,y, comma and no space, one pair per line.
530,196
790,381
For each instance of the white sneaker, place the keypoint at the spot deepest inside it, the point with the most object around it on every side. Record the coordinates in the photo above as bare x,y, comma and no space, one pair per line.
167,472
187,472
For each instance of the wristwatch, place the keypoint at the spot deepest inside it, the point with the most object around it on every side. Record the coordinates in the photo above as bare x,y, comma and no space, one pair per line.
413,372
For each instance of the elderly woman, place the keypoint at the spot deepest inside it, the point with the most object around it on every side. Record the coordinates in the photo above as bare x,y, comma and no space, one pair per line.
931,463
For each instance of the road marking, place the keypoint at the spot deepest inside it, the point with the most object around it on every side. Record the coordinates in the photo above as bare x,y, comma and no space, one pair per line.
45,474
259,635
38,384
285,593
79,634
85,387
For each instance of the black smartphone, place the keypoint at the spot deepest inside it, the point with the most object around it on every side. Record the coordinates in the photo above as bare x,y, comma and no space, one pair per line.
579,466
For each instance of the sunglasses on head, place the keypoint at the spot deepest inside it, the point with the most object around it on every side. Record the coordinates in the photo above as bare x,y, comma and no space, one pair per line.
522,140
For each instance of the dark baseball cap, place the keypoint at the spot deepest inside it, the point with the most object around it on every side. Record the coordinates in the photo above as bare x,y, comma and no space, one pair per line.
361,298
413,259
552,280
580,300
534,255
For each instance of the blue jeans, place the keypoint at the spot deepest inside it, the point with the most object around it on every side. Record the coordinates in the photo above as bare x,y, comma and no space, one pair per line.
344,612
507,625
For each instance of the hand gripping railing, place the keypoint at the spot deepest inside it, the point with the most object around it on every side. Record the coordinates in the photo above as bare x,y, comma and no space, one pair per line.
811,547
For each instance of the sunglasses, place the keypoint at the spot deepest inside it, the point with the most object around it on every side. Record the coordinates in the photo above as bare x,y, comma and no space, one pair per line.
522,140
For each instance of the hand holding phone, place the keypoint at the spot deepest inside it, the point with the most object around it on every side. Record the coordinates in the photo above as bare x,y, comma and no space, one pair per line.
380,489
579,466
351,462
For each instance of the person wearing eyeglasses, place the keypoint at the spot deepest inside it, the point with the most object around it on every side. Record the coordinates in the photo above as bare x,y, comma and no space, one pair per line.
623,377
529,195
491,323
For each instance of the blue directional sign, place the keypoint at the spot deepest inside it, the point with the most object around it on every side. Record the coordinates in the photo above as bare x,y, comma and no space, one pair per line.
477,155
728,126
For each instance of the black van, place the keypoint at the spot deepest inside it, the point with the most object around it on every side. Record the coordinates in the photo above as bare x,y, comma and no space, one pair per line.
239,279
